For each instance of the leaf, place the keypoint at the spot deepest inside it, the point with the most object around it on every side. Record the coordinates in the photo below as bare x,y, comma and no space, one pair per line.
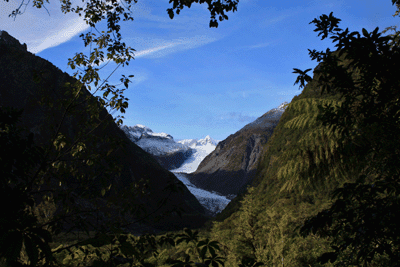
365,33
170,13
203,252
302,77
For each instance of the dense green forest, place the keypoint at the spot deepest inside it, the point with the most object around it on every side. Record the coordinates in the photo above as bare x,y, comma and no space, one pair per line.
326,192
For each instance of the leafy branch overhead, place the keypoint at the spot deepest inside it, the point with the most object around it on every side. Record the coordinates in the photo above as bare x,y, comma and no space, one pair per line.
216,8
76,167
302,78
347,141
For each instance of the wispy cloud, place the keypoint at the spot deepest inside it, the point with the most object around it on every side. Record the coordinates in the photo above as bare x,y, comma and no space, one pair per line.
40,31
48,27
155,48
58,36
264,92
139,77
42,28
249,93
289,92
235,116
271,21
261,45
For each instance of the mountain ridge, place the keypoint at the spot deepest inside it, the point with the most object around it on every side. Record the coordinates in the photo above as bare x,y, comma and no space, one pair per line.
169,153
18,90
231,167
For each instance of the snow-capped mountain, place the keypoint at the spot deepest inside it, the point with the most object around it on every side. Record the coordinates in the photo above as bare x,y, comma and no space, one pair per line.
201,149
180,157
267,119
161,146
157,144
202,142
282,106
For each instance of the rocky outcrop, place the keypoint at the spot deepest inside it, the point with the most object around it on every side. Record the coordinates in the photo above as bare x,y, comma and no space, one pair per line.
35,85
232,165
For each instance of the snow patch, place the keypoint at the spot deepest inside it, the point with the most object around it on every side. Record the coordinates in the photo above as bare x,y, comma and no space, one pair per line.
201,148
157,144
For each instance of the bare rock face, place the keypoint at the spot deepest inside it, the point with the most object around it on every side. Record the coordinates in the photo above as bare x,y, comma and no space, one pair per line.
35,85
232,165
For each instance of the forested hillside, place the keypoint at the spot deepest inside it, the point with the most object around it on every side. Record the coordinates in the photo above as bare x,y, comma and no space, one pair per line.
326,191
263,226
78,140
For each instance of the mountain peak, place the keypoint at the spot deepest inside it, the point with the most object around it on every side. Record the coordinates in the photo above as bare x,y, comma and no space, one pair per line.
283,105
207,140
141,128
7,39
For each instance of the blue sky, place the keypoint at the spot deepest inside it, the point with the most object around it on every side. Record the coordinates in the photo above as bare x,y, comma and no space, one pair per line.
191,80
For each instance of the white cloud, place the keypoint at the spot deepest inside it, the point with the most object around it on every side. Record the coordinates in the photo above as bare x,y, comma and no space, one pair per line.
139,77
236,116
277,19
289,92
40,28
261,45
40,31
60,35
247,93
152,51
155,48
266,92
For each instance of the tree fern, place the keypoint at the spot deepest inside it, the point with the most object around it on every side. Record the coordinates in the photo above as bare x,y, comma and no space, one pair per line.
313,160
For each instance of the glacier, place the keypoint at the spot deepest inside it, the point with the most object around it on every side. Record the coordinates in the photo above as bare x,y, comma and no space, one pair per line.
161,144
201,148
212,201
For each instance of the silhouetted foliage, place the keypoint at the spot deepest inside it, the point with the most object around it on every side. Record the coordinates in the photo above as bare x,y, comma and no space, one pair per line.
362,221
69,160
344,125
19,226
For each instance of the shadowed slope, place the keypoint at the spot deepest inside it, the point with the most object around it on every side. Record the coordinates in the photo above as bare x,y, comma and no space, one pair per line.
41,117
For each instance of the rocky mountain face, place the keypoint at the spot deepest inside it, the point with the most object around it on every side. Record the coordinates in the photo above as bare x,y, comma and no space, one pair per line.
38,87
232,165
161,146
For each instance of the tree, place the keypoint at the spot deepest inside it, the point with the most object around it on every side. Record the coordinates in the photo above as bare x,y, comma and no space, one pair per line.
362,221
18,225
62,159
